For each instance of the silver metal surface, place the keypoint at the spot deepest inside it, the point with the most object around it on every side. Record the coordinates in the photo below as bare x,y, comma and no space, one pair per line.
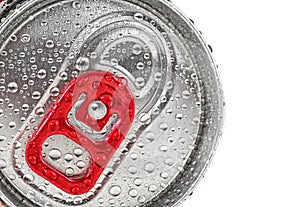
179,103
66,156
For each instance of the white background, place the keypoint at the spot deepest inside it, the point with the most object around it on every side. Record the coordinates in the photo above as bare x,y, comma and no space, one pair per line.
256,45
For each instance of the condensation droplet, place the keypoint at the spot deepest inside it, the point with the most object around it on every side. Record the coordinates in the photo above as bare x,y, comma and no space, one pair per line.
152,188
115,190
12,87
132,169
138,16
150,136
82,63
133,193
137,49
36,95
54,92
137,182
78,152
12,124
63,75
164,175
55,154
2,138
169,161
140,66
68,157
140,82
141,199
145,118
80,164
69,171
163,126
149,167
40,111
186,94
76,5
42,74
49,44
28,178
3,164
25,38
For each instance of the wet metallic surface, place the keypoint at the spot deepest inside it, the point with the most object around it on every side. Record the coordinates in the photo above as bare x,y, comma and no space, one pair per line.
169,69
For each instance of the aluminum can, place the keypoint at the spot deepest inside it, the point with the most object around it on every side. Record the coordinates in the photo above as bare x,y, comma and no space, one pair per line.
104,103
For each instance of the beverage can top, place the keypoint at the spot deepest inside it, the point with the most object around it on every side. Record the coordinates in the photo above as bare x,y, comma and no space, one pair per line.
104,103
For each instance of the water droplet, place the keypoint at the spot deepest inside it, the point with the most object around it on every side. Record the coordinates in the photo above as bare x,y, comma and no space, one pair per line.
138,16
133,193
133,156
140,82
28,178
152,188
25,107
18,145
40,111
82,63
25,38
54,92
12,124
13,38
164,148
68,157
137,182
132,169
186,94
137,49
78,200
145,118
115,190
2,64
141,199
150,136
100,200
80,164
63,75
49,44
12,87
55,154
42,74
3,164
30,194
140,66
164,175
36,95
157,76
169,161
2,138
47,204
76,5
149,167
163,126
78,152
69,171
195,121
179,117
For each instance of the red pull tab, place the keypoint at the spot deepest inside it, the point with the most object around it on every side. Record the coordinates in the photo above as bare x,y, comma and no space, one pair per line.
96,111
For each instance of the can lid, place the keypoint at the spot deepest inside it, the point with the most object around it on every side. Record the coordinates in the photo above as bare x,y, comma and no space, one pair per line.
104,103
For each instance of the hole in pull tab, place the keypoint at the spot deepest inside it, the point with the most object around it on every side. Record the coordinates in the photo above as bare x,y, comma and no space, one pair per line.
97,110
